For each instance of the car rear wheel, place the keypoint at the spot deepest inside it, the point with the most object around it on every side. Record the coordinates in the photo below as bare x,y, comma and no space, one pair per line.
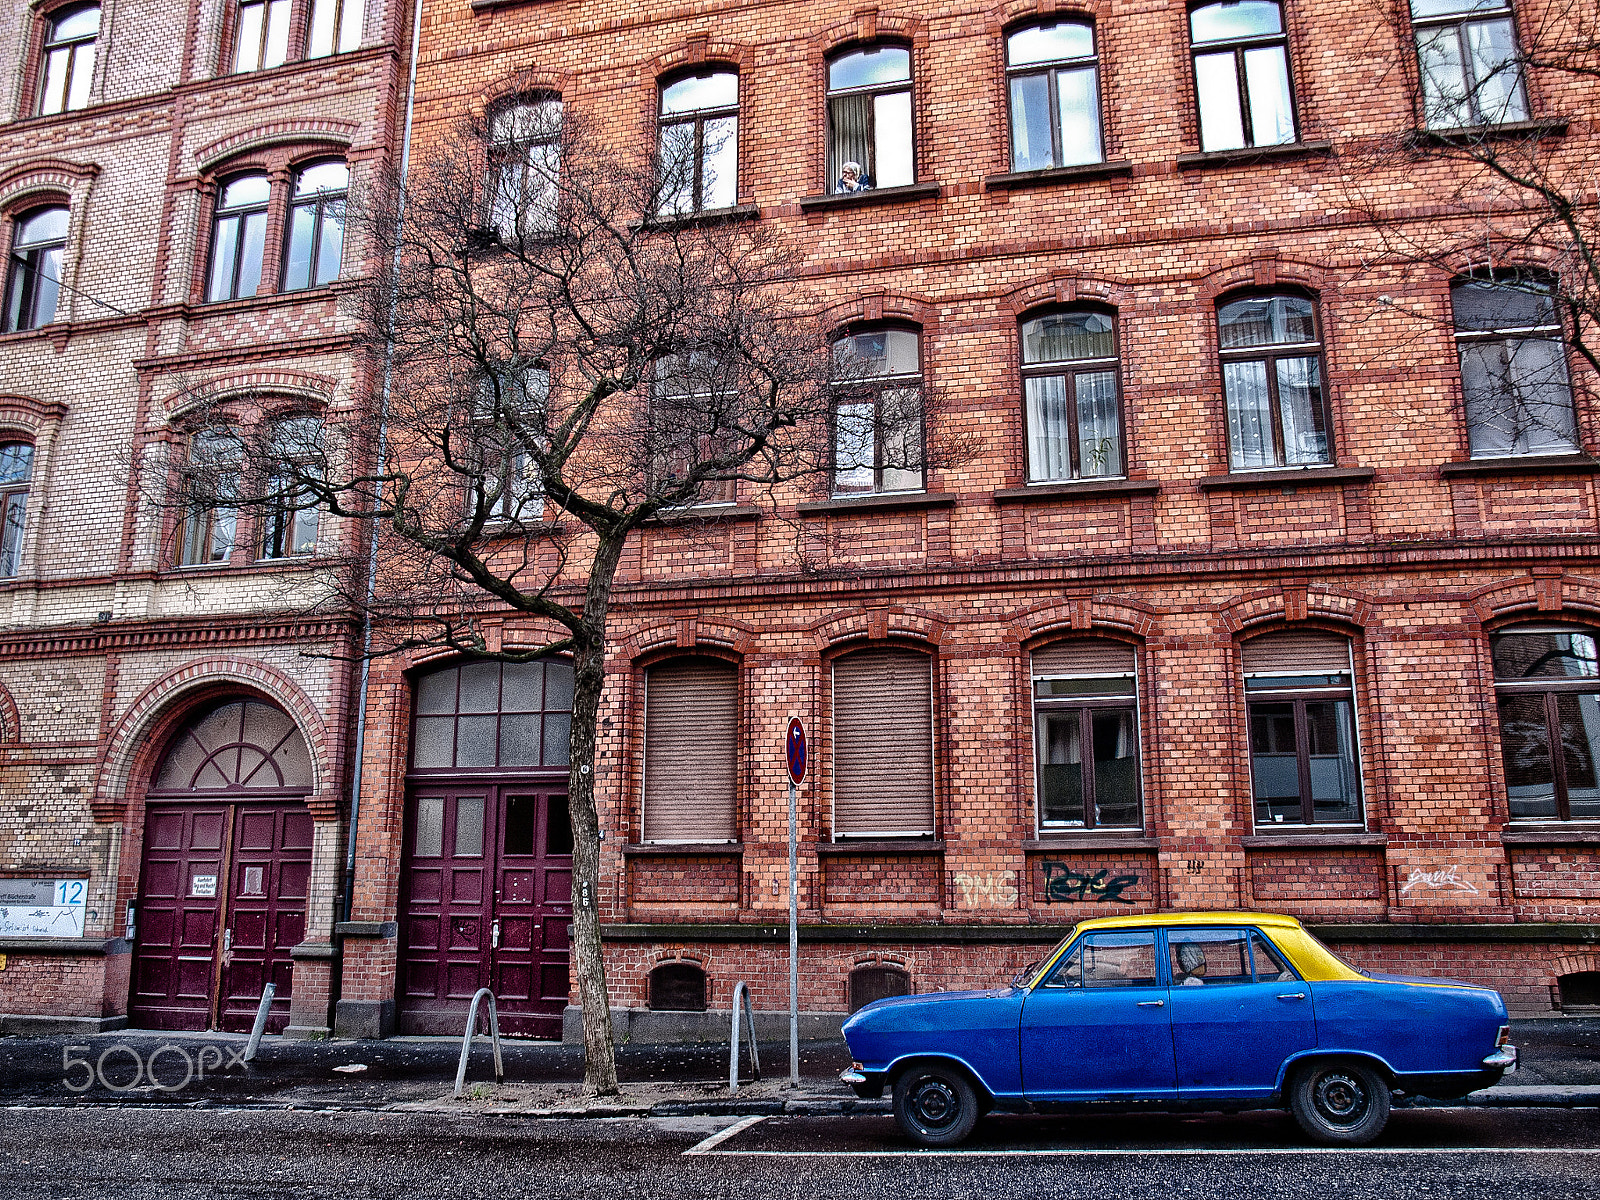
1340,1103
934,1105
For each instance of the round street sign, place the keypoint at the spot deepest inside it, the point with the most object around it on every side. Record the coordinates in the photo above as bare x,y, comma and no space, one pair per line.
795,747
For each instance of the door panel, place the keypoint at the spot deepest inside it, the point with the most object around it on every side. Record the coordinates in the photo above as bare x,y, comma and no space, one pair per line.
176,929
269,872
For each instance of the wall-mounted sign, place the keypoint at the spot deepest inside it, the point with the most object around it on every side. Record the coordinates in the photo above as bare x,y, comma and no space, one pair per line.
202,885
43,907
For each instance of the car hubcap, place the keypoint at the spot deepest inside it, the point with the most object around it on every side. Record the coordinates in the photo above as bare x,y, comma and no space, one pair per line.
935,1103
1341,1098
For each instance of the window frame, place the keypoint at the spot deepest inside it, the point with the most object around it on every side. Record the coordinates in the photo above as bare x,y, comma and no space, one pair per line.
1549,689
830,94
263,38
279,526
14,495
1238,46
511,153
23,270
1051,69
1086,706
478,774
1505,337
1268,354
1071,368
910,836
74,48
698,118
341,11
850,391
1460,20
198,523
318,202
685,657
241,214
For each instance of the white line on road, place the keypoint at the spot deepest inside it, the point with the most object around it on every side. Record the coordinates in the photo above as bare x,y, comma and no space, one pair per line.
709,1144
706,1147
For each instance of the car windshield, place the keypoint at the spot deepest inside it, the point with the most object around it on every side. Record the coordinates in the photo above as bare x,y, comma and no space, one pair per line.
1026,976
1340,959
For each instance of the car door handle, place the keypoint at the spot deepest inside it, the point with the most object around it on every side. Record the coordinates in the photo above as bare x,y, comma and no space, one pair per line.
1151,1003
1291,995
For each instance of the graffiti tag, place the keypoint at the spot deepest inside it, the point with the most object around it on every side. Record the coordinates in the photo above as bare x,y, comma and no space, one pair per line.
1444,877
997,889
1064,885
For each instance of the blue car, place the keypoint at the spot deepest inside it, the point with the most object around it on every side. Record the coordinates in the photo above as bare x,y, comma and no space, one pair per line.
1226,1010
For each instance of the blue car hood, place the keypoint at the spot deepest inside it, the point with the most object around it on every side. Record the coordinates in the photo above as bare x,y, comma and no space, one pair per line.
887,1007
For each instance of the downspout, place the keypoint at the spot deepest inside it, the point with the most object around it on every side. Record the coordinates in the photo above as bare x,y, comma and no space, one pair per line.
383,446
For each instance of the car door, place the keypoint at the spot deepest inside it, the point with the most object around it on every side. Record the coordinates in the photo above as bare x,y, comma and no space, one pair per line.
1238,1011
1097,1025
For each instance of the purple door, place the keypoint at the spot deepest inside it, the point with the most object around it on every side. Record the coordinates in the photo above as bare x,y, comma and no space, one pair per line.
178,915
270,873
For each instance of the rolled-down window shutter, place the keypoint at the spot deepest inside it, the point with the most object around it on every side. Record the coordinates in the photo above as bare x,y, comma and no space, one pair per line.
882,743
1297,653
1084,656
691,750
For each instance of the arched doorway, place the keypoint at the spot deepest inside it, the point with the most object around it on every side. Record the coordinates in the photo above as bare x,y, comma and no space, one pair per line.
225,870
486,891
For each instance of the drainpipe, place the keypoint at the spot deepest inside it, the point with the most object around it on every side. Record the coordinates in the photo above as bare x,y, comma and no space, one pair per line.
383,446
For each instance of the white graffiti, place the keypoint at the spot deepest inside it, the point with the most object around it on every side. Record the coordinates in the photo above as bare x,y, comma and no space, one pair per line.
1444,877
997,889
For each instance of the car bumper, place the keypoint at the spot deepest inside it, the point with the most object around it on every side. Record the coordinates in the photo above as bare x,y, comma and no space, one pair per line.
867,1086
1503,1060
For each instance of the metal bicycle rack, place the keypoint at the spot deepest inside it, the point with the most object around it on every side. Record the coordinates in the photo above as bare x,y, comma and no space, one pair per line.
741,992
466,1041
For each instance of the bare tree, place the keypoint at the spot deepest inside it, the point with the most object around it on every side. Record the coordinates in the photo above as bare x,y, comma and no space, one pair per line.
561,354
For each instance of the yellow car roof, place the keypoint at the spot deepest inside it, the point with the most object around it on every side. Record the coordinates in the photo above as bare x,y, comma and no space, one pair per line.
1146,920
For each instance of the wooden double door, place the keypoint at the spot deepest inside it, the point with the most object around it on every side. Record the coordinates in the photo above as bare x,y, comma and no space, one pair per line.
486,901
222,901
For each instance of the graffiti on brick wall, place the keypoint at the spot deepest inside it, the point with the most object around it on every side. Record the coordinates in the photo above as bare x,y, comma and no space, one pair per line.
992,889
1445,878
1064,885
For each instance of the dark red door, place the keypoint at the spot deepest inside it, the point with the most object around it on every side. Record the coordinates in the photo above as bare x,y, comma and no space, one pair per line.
270,874
178,915
532,913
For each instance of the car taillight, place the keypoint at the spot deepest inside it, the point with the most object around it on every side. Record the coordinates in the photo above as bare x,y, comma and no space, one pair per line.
1504,1037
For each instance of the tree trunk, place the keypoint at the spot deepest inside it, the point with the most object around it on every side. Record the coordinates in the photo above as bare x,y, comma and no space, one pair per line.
588,681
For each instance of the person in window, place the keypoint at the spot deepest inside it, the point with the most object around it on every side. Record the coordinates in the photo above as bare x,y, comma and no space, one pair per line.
1192,962
853,179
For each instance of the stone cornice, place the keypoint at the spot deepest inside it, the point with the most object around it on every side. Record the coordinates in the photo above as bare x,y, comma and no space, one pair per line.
148,635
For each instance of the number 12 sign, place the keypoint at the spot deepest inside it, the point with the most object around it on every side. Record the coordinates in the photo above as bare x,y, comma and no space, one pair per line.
794,744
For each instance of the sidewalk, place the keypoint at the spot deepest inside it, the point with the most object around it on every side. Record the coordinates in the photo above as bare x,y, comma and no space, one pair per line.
1560,1067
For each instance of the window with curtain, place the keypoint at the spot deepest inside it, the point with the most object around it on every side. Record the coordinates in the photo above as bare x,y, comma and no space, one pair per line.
1053,78
33,274
1272,380
1547,689
878,436
525,163
67,66
1513,368
16,478
238,238
883,744
1468,60
315,245
335,27
1086,735
699,143
869,120
211,475
693,412
1069,386
503,478
1300,699
289,523
1241,75
261,37
691,750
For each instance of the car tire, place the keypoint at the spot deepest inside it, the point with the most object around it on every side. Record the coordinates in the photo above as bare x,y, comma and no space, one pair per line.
1340,1103
935,1105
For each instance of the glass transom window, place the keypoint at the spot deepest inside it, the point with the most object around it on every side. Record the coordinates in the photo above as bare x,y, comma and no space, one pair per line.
488,715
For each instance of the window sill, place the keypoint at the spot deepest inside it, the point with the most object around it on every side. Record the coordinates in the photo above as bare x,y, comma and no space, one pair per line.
681,849
494,531
1309,476
1521,464
1294,841
1091,841
479,6
707,216
704,513
1554,834
893,195
1056,175
1468,134
378,930
1075,489
881,846
884,502
1246,155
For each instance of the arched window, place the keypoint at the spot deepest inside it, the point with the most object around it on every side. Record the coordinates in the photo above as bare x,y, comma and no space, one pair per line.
1470,64
16,476
1513,368
335,27
1241,75
678,987
238,238
1272,378
525,164
315,244
869,120
244,746
1069,381
1547,689
877,981
700,143
883,744
261,37
1299,690
1086,734
33,283
68,63
878,436
488,715
210,479
1053,78
691,750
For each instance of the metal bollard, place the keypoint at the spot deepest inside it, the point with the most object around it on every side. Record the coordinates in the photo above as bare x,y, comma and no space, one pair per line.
466,1042
260,1027
741,992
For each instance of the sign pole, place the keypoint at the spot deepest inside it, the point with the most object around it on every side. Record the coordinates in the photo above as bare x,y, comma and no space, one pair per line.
794,750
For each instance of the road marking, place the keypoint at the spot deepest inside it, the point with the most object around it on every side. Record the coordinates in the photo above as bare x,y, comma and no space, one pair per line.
708,1145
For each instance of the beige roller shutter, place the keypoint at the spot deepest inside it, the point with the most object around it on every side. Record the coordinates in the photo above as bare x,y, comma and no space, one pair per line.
1297,653
882,743
691,750
1083,656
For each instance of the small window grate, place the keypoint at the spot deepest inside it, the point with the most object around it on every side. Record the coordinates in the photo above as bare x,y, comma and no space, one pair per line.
678,987
877,983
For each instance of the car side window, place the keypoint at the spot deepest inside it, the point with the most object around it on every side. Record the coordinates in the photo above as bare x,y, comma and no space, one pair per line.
1209,957
1068,972
1270,964
1119,960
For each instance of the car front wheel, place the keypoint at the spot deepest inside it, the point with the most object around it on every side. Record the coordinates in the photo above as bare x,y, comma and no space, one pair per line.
935,1106
1340,1103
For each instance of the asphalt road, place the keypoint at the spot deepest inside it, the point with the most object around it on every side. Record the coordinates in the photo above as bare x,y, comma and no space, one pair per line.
1427,1154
